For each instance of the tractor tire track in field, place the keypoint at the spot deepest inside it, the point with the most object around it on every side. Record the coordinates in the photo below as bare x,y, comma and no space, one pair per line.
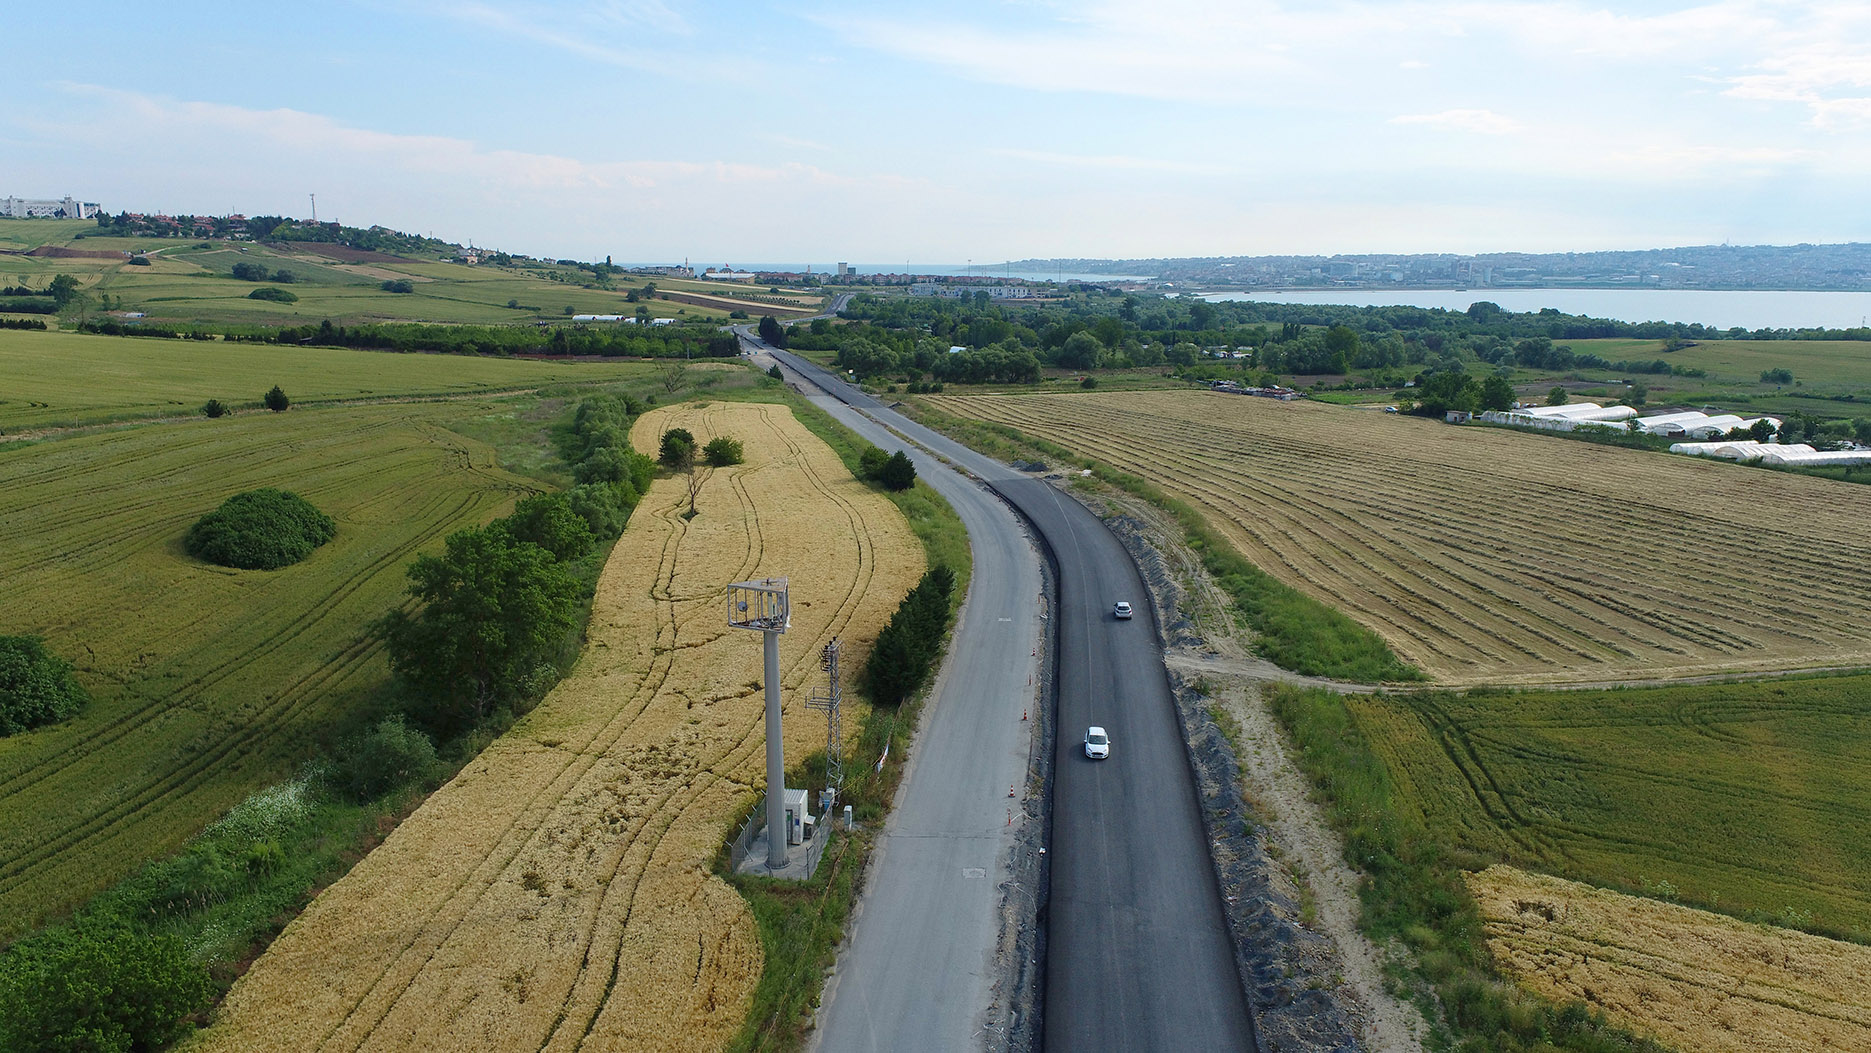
573,853
218,677
1492,557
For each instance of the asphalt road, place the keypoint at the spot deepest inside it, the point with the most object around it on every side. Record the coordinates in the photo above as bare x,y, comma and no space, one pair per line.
1138,952
919,971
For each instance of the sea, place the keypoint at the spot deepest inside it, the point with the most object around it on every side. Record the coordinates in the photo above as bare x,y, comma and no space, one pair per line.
1723,310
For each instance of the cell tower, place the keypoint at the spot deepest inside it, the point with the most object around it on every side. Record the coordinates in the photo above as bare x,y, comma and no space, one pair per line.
762,606
827,700
314,208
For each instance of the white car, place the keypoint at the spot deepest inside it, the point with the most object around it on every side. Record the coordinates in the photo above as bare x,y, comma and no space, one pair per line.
1121,610
1097,743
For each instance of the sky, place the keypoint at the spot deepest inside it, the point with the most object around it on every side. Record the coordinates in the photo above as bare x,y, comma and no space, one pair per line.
655,131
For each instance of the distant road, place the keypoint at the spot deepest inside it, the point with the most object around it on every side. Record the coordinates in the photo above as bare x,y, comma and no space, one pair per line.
1139,956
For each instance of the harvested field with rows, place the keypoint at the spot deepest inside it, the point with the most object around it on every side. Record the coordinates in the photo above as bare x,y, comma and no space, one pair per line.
1700,982
208,683
557,895
1487,556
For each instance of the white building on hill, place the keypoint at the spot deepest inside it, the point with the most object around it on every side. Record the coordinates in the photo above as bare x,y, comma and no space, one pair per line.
67,207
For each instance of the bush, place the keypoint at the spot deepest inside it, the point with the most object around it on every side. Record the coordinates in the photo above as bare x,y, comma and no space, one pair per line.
388,756
676,449
36,686
404,285
774,372
214,408
605,507
275,295
99,988
897,473
1088,383
249,272
260,530
871,462
139,261
722,452
276,400
285,277
907,648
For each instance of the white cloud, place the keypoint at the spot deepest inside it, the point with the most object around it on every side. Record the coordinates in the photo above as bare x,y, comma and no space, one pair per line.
1116,162
1484,122
200,156
632,34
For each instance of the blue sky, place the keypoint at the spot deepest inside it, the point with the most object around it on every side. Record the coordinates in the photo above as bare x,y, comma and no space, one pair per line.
657,130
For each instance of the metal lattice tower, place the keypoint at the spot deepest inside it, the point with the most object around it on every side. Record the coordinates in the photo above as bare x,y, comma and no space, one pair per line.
827,700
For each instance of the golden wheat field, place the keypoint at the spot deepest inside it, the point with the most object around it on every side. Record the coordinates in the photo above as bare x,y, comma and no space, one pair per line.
1701,982
557,894
1484,555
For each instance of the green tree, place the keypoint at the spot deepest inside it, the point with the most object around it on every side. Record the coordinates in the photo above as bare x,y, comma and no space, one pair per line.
1861,430
214,408
1777,376
1761,430
495,614
774,372
1183,354
63,290
276,400
1638,394
99,988
36,686
676,449
1341,342
898,473
722,451
1557,396
771,331
1496,394
1081,351
548,520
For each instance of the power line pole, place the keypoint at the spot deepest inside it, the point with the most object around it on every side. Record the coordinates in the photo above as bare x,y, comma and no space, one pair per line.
828,700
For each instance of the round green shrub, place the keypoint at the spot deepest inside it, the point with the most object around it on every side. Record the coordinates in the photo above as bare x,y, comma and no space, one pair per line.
260,530
36,686
390,755
275,295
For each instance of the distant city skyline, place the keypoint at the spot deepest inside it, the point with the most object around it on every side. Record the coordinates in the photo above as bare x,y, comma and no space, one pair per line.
654,130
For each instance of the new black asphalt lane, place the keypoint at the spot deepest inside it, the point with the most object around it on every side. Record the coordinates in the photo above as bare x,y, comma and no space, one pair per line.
1138,952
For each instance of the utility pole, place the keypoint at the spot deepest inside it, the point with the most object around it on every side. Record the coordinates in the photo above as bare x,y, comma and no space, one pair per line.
762,605
828,701
314,208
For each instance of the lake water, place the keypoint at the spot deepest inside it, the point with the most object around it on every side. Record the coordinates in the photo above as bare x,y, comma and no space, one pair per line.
1724,310
969,270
